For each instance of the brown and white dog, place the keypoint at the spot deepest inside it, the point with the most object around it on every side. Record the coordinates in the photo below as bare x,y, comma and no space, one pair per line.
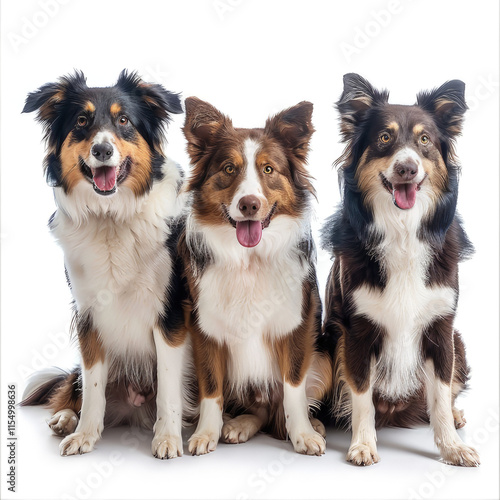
116,193
393,289
254,309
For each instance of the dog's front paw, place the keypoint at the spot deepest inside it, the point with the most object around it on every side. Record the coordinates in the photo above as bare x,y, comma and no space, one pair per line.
78,443
460,454
309,443
63,422
201,443
167,446
363,454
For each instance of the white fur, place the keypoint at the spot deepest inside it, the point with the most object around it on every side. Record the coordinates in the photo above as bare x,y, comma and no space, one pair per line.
250,185
304,438
363,448
115,159
119,269
91,424
115,255
402,156
209,427
171,361
250,295
406,305
439,402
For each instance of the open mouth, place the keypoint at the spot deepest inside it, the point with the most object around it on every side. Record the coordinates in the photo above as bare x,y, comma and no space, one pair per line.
404,195
249,232
105,179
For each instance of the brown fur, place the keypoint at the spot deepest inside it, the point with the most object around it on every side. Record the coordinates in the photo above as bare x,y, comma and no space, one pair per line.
213,143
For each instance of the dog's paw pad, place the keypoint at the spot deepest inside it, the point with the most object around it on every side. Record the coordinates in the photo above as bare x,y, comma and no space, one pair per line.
363,454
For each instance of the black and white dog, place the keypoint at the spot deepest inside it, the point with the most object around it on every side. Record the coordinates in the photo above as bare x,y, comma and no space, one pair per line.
116,194
392,293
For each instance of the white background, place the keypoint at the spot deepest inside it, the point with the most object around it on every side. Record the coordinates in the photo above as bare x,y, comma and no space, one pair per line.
249,58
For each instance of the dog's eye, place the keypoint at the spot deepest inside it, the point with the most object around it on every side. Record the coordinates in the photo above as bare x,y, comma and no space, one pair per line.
424,139
268,169
123,120
385,138
229,169
81,121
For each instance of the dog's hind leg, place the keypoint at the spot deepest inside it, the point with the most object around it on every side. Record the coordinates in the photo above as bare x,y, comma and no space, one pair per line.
460,378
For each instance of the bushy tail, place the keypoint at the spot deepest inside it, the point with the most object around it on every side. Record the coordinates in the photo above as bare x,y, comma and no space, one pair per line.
42,385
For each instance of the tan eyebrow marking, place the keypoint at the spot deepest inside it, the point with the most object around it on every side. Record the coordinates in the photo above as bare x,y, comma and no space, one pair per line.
418,129
115,108
89,106
394,126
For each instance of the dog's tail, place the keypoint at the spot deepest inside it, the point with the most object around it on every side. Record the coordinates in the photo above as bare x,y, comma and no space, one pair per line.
43,385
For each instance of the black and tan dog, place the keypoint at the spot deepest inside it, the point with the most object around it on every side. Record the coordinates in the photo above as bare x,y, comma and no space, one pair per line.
116,194
392,293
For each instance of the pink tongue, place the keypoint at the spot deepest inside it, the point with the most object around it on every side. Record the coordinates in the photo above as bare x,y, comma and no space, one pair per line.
249,232
404,195
105,178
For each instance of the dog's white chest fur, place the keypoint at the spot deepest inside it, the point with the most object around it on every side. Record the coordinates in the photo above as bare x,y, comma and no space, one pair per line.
406,305
118,264
248,302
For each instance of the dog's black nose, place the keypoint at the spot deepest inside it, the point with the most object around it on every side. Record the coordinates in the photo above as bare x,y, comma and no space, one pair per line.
103,151
407,170
249,205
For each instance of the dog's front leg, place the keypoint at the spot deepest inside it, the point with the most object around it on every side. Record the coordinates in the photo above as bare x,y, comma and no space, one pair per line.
210,361
295,354
439,402
171,360
94,381
363,449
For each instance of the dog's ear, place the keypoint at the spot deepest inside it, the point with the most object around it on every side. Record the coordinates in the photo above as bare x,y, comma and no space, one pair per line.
203,124
293,128
447,105
357,98
156,104
49,99
157,98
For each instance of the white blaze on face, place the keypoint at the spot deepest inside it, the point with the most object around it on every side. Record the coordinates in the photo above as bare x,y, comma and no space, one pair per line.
99,138
405,187
250,185
104,173
402,157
